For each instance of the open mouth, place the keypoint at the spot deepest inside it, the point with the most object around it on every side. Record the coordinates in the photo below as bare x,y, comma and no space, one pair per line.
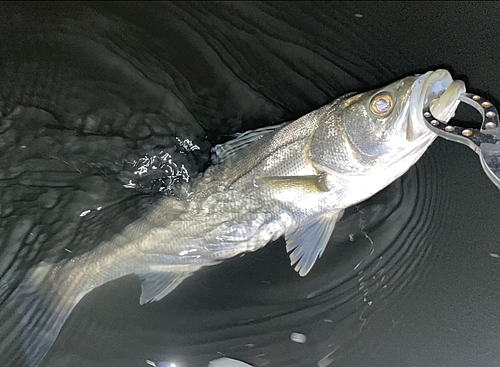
438,90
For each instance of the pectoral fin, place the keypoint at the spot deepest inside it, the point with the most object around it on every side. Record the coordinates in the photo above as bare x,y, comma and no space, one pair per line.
157,285
307,243
308,184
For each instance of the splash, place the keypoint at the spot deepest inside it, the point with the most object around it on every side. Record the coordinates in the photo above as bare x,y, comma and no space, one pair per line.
162,172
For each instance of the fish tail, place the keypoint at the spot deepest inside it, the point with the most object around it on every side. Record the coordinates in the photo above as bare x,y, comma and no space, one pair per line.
31,318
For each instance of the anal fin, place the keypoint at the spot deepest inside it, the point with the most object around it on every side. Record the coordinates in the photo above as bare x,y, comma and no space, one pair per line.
156,285
307,243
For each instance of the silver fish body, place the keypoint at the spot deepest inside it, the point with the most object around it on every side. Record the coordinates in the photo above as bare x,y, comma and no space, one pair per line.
293,180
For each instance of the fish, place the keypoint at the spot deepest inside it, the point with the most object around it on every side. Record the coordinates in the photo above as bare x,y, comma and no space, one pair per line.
293,180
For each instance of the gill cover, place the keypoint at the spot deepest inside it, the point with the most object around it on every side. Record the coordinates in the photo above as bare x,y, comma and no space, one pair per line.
356,130
329,148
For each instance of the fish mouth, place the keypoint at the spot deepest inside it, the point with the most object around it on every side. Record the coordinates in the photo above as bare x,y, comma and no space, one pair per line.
441,93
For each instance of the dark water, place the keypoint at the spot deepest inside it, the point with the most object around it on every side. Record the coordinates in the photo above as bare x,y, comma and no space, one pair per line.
103,109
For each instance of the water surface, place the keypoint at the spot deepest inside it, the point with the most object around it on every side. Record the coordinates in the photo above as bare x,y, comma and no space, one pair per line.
107,107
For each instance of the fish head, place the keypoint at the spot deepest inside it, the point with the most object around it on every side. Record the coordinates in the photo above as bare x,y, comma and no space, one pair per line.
383,130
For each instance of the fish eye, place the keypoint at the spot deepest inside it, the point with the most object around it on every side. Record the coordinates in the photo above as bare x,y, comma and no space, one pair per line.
382,104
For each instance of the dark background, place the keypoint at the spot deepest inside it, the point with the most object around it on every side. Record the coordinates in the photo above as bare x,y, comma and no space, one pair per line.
410,278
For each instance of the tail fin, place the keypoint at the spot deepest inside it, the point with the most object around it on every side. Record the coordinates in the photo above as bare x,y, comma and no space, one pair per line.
31,318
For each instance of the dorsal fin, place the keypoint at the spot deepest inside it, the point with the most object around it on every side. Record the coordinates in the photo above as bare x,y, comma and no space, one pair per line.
223,151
